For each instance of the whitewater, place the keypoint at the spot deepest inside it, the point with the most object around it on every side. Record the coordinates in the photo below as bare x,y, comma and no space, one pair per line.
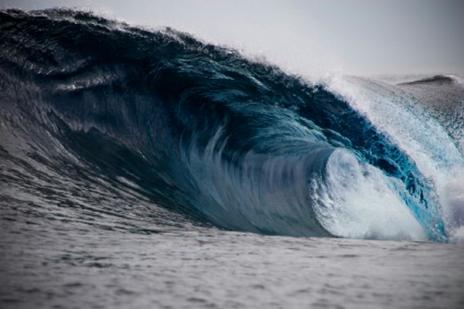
143,168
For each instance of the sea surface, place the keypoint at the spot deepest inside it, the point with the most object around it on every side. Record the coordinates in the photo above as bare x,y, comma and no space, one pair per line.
61,263
149,169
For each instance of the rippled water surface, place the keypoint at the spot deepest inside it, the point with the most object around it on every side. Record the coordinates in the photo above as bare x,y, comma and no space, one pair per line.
62,263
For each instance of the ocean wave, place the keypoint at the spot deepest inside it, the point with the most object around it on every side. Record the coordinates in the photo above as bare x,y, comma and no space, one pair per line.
199,130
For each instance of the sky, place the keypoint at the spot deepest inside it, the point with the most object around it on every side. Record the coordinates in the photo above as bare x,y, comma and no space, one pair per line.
361,37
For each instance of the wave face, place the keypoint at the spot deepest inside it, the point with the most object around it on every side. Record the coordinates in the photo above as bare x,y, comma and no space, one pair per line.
89,105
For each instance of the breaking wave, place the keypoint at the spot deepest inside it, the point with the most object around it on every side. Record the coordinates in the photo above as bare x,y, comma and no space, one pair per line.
198,130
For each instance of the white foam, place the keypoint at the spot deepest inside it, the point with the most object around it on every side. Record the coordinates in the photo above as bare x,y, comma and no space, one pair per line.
359,201
414,131
457,236
452,193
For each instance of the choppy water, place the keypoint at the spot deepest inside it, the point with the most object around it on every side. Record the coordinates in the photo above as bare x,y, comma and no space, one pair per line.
161,175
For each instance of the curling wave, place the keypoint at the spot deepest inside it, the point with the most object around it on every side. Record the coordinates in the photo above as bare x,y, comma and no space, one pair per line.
202,131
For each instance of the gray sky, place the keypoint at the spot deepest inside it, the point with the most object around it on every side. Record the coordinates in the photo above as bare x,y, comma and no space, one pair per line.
308,37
